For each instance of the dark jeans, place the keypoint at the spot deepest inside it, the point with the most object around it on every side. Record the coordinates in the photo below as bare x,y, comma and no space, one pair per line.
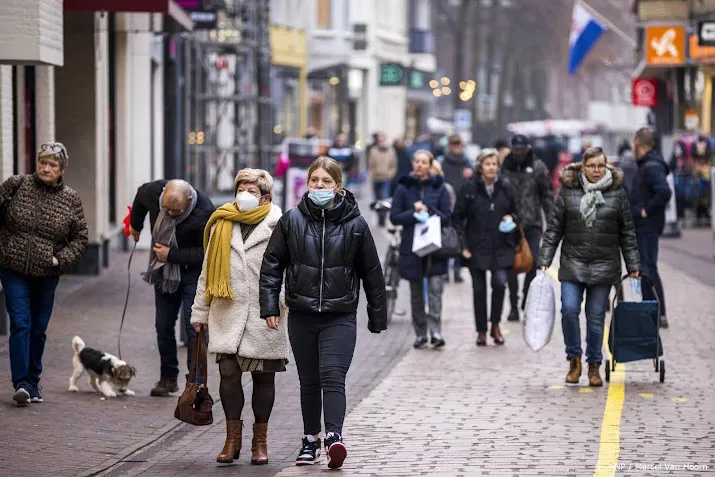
596,304
533,236
648,248
29,302
323,347
479,287
168,306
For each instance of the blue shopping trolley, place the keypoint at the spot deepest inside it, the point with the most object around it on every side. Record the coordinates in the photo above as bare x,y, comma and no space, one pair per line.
634,333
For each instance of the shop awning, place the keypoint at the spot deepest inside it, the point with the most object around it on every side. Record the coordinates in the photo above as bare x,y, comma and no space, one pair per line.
168,7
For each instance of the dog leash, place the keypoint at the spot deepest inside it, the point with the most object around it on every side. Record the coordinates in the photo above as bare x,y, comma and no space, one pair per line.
126,300
127,234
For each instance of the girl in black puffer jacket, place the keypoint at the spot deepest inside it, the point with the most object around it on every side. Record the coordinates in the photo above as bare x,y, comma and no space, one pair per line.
325,248
593,218
483,203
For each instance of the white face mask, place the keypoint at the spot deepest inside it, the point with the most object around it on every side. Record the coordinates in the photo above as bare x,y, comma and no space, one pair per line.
246,201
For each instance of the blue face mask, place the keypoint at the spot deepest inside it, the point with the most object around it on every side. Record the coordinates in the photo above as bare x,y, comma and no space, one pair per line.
321,197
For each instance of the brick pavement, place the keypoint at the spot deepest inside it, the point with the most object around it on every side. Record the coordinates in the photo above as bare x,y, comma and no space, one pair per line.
504,411
693,253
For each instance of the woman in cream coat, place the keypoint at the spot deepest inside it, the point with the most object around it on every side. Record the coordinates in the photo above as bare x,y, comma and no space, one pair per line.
227,306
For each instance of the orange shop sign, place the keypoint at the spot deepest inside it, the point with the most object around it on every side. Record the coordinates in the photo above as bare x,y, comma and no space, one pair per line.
665,45
701,54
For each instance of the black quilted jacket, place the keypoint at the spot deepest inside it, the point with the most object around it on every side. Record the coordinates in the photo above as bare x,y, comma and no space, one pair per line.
590,255
324,254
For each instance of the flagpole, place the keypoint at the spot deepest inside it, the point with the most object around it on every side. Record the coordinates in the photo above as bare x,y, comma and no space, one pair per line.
608,23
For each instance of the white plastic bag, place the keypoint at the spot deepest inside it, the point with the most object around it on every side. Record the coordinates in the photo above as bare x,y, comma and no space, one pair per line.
540,312
427,237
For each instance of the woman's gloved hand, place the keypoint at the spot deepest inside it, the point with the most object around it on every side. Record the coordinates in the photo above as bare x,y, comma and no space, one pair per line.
421,217
507,224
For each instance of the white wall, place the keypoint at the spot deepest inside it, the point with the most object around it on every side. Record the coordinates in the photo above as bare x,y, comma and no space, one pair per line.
134,144
6,119
81,95
31,31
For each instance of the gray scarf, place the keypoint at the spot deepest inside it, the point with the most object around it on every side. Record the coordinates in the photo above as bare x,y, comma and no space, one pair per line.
593,196
164,275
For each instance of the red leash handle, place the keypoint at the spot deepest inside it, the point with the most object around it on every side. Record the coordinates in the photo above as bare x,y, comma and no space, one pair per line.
127,222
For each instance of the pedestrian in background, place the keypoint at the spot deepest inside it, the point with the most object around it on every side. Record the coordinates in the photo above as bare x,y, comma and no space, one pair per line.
531,180
457,169
419,196
382,164
227,306
43,233
627,164
502,147
486,219
404,163
325,248
178,214
649,198
592,217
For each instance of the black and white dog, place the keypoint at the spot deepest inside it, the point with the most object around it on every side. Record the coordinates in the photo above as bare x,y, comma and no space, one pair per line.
107,373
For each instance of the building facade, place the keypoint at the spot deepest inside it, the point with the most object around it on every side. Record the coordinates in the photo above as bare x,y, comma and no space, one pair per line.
93,82
289,71
370,65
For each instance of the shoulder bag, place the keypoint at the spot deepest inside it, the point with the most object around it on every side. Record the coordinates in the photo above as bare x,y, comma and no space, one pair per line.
523,261
195,404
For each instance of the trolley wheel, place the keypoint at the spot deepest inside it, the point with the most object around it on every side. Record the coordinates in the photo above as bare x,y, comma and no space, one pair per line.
613,365
662,371
655,363
608,370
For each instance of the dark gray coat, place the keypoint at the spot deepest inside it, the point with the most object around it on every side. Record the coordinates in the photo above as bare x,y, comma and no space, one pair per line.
590,255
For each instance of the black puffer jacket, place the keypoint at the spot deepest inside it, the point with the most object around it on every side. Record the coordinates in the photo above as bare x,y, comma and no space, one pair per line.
325,254
590,255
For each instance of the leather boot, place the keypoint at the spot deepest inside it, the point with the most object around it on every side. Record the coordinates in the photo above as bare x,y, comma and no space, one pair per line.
574,373
496,334
594,375
232,447
259,445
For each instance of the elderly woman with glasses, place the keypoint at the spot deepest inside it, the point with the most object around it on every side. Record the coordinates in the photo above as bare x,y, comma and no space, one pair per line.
592,217
43,232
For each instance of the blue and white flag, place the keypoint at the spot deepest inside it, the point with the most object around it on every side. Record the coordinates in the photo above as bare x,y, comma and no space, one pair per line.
585,32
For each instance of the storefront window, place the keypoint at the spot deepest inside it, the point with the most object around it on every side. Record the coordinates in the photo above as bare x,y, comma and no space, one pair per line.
286,101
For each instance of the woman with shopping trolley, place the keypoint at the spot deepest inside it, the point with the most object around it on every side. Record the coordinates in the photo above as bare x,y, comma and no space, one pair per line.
592,220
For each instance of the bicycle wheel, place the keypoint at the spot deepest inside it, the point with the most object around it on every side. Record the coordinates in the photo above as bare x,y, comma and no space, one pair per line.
392,282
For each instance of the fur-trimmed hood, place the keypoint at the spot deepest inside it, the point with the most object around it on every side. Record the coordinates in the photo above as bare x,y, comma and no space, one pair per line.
569,176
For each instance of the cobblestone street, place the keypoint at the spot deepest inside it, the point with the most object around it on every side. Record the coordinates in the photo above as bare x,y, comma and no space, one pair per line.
458,411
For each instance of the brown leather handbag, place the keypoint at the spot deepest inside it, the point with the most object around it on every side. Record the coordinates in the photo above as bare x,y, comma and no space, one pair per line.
195,404
523,261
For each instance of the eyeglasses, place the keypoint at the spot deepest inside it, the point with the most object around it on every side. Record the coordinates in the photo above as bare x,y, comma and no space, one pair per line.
54,147
596,167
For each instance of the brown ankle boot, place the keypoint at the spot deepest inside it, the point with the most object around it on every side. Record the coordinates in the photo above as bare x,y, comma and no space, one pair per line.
594,375
232,447
574,370
496,334
259,445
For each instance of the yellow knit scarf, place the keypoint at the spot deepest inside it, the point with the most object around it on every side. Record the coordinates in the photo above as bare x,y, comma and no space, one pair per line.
219,246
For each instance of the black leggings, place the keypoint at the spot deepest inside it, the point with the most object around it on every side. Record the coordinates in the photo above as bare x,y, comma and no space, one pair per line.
231,391
323,347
